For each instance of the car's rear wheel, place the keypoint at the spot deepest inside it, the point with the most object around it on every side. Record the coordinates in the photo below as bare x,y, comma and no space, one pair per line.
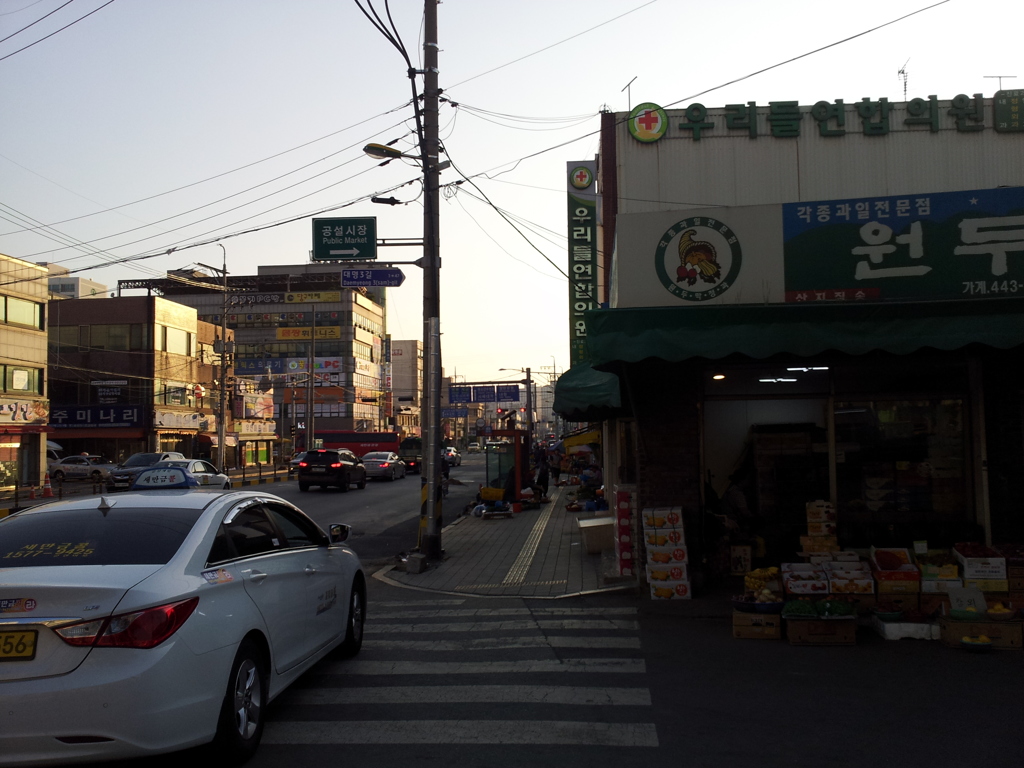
240,726
57,477
356,620
345,482
303,487
362,483
391,477
227,486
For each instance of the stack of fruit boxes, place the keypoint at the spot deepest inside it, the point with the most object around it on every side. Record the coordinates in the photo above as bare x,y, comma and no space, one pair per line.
667,556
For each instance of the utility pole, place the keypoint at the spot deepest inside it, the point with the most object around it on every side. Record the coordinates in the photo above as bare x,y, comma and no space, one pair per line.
310,444
430,152
222,416
529,409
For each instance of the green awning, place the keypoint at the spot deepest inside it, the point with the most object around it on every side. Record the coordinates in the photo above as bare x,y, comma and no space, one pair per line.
583,394
714,332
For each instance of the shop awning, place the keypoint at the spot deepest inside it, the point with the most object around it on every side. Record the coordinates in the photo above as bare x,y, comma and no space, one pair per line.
585,394
585,438
714,332
124,433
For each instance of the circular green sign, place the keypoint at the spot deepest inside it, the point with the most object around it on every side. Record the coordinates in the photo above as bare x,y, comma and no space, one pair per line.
581,177
647,122
705,258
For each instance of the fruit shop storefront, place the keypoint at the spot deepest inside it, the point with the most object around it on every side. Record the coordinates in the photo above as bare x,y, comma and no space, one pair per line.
907,417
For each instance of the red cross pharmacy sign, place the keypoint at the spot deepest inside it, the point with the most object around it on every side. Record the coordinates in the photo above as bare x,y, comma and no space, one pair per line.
647,122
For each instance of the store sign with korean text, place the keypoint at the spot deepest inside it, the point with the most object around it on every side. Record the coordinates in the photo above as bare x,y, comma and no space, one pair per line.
23,411
304,334
246,428
647,122
923,246
180,420
582,266
86,416
291,297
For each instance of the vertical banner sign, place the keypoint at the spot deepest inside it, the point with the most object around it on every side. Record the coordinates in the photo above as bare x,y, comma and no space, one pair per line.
582,204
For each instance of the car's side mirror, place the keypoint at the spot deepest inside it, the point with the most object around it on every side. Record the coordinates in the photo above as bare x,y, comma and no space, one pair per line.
339,532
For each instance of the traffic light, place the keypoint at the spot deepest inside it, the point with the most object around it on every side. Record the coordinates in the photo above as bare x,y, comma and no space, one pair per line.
501,411
522,410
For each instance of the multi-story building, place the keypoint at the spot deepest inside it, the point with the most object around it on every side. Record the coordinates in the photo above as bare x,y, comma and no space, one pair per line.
407,380
147,382
24,408
320,344
68,286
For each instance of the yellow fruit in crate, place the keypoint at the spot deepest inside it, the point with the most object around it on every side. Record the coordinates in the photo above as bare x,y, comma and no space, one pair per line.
984,639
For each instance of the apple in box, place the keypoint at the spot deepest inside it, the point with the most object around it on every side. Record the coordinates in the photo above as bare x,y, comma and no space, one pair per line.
664,538
670,572
670,590
667,554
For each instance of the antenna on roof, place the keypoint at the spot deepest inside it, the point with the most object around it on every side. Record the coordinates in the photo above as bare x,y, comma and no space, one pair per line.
904,75
629,92
1000,78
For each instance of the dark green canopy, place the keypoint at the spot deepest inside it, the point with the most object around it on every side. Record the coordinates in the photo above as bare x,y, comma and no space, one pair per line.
714,332
584,394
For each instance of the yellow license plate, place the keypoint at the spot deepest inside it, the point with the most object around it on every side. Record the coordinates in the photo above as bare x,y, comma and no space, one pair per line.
19,645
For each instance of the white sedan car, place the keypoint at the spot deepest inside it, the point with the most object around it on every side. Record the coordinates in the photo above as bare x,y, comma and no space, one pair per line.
152,621
203,471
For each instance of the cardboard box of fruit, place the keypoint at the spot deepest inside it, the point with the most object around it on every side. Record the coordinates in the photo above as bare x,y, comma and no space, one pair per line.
979,561
938,564
893,564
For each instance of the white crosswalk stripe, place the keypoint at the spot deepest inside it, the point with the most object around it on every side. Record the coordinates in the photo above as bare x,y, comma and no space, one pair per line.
501,626
475,694
545,666
505,643
472,645
518,732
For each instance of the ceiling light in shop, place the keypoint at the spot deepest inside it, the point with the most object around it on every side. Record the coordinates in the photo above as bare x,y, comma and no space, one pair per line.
718,376
775,381
805,370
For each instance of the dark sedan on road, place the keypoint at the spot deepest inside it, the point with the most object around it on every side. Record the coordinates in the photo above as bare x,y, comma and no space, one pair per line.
384,464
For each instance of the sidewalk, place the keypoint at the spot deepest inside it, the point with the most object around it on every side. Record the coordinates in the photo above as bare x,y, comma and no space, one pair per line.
535,553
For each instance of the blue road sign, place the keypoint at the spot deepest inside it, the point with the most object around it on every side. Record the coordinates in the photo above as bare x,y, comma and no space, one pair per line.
389,277
459,394
508,393
454,413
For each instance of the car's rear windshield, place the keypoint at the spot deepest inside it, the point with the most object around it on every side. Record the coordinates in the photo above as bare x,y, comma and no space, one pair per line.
143,459
321,457
377,456
147,536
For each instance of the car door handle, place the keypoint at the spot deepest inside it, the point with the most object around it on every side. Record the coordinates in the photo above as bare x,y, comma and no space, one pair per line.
310,570
257,576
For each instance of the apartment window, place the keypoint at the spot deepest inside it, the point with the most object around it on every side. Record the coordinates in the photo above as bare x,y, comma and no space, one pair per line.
21,380
22,312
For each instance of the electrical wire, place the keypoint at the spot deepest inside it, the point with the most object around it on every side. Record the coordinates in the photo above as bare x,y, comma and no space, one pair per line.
224,173
29,26
81,18
553,45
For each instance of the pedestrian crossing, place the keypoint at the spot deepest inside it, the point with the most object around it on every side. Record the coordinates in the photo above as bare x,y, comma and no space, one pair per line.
459,672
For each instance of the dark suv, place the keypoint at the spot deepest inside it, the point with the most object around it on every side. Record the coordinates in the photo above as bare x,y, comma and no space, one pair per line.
327,466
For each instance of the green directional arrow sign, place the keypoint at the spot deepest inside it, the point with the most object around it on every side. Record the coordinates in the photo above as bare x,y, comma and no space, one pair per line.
345,239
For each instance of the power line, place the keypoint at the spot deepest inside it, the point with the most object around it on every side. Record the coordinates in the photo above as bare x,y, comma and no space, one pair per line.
29,26
81,18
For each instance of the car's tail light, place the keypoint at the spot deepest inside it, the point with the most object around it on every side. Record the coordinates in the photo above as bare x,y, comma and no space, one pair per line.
384,465
335,465
141,629
303,464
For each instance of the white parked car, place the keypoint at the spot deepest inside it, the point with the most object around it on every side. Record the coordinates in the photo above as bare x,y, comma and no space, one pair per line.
94,468
147,622
203,471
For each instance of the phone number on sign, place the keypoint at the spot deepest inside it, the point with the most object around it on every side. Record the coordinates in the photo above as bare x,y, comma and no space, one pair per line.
979,287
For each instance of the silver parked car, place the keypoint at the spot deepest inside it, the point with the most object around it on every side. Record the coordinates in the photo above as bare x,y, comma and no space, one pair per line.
207,474
87,467
384,464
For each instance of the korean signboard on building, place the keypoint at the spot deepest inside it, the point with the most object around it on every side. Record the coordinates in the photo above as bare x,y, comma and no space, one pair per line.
582,267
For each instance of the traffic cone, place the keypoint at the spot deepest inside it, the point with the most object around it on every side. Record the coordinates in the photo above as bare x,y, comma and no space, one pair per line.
47,490
31,492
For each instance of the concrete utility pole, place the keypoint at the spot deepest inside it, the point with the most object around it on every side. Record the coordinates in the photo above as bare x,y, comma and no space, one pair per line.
430,152
310,435
222,415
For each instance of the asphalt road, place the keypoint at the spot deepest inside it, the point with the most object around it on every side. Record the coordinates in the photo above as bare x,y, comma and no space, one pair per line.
385,515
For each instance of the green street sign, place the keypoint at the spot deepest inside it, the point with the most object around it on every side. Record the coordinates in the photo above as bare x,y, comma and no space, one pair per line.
345,239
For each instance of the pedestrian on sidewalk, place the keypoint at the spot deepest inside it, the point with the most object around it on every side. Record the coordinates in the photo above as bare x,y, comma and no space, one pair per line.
555,463
542,481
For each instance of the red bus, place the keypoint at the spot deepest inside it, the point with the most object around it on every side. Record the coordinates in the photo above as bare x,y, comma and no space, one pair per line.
360,443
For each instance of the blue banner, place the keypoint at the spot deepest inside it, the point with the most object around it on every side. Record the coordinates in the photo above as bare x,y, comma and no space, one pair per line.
84,416
459,394
484,395
508,393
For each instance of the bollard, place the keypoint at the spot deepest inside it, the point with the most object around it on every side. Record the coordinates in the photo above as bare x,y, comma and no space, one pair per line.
243,474
60,488
259,470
